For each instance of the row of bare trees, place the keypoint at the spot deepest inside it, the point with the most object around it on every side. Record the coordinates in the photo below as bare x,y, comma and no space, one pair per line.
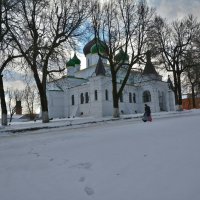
40,31
7,52
27,98
135,28
191,76
174,45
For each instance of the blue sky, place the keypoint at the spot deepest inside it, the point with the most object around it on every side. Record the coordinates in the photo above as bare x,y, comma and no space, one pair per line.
172,9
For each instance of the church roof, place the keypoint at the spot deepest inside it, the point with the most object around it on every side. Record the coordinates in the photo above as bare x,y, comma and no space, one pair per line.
100,69
73,61
99,47
76,60
87,47
91,47
121,56
149,67
70,63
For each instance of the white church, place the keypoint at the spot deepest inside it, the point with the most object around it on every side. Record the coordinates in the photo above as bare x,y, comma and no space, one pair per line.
88,92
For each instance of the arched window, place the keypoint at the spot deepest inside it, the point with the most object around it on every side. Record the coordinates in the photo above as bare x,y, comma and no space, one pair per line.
82,98
146,96
86,97
95,95
134,98
73,100
130,97
106,95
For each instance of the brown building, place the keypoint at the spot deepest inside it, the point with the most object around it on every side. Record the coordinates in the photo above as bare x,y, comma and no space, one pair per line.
187,103
18,108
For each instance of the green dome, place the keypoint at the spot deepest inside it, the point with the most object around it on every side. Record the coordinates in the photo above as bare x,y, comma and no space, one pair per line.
70,63
121,56
98,47
74,61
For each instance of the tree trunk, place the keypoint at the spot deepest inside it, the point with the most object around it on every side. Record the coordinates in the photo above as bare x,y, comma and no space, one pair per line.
4,121
193,97
44,106
175,87
45,116
116,113
43,100
179,90
11,117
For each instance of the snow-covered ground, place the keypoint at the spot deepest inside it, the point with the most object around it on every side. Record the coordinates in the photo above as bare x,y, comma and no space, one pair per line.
107,160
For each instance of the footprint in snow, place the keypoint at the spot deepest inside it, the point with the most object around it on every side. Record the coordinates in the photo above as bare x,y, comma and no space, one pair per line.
89,191
35,153
85,165
82,179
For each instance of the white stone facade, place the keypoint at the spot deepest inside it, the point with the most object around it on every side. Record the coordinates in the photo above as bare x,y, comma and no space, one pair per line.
82,93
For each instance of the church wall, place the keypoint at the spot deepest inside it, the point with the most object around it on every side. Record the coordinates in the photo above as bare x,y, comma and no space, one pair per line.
92,59
98,83
93,107
159,96
171,100
77,109
167,102
127,107
55,104
77,67
71,70
60,103
85,73
107,106
148,86
67,103
66,83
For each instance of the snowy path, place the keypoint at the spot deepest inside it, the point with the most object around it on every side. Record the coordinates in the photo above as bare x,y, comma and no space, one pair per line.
122,160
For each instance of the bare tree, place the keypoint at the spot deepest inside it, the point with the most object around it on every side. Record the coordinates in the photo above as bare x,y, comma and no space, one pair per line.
7,52
30,99
11,105
191,75
43,29
122,26
172,41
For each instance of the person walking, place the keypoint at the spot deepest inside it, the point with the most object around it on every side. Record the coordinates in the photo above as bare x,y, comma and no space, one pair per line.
147,113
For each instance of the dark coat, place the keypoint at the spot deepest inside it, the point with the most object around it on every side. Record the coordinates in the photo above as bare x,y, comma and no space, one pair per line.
147,111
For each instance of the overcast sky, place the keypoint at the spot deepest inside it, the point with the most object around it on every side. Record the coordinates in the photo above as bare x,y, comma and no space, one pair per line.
172,9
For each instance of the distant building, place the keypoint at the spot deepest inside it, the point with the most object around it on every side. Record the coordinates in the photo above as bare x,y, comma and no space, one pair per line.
88,92
187,103
18,108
